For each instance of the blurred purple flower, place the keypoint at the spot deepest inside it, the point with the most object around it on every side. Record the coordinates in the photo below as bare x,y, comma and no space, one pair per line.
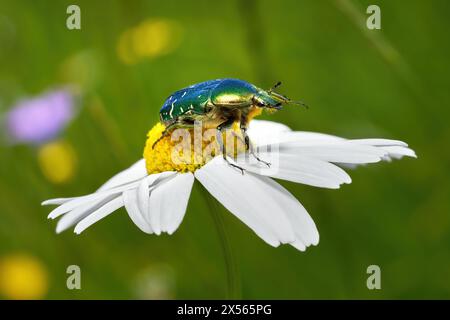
40,119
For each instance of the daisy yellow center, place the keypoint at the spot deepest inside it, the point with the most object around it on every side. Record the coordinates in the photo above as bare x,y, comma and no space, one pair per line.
188,149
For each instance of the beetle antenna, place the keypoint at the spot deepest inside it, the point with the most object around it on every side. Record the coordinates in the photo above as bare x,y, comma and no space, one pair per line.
283,99
299,103
276,85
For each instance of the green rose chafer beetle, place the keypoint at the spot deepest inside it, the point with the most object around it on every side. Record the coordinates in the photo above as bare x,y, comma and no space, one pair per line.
218,104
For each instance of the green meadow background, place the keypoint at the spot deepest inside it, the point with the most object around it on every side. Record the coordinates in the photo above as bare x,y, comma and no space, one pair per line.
359,83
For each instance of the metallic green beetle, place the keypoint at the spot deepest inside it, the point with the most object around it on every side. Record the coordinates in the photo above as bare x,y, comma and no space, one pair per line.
218,104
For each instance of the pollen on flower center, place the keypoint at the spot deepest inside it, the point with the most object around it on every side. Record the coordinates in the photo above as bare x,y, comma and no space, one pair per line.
188,149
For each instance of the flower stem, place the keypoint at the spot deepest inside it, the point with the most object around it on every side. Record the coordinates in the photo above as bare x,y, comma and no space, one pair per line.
386,50
109,128
233,280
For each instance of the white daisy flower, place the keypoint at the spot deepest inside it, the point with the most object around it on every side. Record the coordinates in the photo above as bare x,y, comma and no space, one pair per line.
155,191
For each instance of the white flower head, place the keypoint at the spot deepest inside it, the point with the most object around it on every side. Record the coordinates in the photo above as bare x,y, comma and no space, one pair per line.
155,191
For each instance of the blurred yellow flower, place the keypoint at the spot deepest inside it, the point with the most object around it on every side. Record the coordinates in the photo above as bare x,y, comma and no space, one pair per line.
150,39
57,161
22,277
82,69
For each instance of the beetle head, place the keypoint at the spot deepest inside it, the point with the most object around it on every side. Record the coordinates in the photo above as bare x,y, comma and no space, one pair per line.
273,100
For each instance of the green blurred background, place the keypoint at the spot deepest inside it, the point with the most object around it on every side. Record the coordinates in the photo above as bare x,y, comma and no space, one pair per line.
130,55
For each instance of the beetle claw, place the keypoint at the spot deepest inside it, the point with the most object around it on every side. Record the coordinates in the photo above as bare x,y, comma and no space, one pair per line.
237,167
262,161
234,165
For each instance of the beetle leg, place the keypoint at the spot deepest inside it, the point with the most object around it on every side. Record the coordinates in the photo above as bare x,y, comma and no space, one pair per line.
219,139
163,135
249,145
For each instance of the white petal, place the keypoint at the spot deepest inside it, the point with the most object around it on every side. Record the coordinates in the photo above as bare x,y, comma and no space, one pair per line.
132,174
298,168
250,199
329,148
168,202
182,186
298,245
301,222
142,195
76,215
379,142
78,208
264,127
288,136
337,151
136,172
398,152
312,138
78,201
131,205
136,200
143,191
285,134
56,201
74,203
99,214
395,149
263,132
